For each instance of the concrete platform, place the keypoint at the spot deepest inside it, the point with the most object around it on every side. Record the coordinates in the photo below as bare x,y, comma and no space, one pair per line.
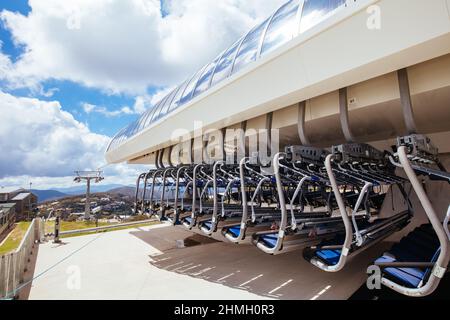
115,265
144,263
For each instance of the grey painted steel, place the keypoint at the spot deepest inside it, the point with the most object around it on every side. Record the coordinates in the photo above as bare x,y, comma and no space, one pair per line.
177,194
348,225
446,221
363,192
296,193
405,97
442,262
345,121
194,196
255,194
157,159
152,190
302,125
269,126
144,192
163,193
282,202
215,217
244,219
136,196
170,156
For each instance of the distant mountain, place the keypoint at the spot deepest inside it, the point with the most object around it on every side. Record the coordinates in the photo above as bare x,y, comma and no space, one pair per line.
126,191
46,195
59,193
95,188
131,192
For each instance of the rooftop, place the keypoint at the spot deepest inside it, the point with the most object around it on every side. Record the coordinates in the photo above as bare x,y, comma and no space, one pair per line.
10,189
21,196
6,205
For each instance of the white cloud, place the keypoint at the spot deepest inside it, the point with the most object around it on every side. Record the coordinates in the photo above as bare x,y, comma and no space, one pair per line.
141,104
124,46
40,140
90,108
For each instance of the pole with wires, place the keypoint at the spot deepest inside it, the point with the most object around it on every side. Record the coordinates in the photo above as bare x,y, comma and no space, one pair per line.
88,176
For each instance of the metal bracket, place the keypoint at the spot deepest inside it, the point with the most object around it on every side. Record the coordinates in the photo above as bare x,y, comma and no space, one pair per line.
439,272
343,110
405,98
345,252
301,124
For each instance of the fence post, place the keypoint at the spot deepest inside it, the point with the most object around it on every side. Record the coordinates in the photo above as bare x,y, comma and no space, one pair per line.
14,265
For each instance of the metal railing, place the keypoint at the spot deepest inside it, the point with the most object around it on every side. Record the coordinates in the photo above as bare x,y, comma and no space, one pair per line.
13,266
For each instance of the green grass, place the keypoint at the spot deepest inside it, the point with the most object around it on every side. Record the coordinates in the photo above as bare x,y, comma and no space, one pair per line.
109,230
75,225
13,240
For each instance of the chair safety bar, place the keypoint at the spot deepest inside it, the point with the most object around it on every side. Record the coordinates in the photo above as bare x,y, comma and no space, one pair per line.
440,267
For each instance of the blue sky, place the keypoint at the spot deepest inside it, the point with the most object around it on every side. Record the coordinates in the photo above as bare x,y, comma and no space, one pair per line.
71,95
73,73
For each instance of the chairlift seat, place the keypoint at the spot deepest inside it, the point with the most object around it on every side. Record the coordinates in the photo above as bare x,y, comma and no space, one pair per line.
270,240
331,257
234,230
421,245
207,224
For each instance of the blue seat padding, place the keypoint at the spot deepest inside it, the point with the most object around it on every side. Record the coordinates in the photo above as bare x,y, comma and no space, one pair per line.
208,224
235,231
188,220
410,277
421,245
269,240
331,257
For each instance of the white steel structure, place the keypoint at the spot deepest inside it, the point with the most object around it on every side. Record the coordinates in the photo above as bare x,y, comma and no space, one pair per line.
323,73
296,63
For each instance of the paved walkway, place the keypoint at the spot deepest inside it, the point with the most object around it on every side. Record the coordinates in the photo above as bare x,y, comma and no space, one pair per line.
115,265
144,263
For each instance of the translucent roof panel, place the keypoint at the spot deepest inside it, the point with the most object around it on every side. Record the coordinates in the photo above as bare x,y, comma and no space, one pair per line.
187,95
205,79
148,121
282,28
143,119
176,100
248,50
158,109
168,102
223,68
316,11
287,22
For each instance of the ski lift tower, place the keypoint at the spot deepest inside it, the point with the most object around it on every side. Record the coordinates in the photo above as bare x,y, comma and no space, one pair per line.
88,176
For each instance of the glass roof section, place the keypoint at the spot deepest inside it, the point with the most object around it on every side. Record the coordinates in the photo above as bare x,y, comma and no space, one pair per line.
287,22
249,48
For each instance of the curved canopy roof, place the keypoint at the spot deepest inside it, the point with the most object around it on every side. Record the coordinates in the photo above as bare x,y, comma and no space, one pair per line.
287,22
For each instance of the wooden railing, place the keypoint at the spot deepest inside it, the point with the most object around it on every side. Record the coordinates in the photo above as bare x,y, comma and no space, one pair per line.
13,266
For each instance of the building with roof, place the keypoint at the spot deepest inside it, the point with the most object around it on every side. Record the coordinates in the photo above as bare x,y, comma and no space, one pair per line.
24,200
7,216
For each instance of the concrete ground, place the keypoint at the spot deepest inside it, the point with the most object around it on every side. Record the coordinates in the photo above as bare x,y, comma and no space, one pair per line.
115,265
144,263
